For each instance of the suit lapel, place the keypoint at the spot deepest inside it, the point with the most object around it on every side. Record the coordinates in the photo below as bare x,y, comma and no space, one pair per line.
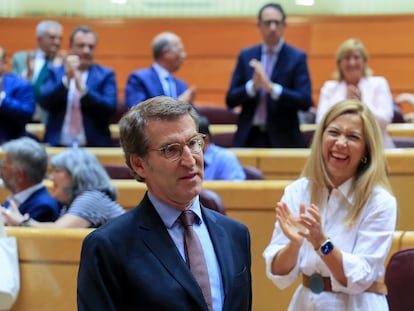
222,246
158,240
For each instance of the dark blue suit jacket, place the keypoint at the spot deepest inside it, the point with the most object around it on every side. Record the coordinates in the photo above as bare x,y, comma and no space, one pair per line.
291,71
131,263
97,106
17,107
40,205
143,84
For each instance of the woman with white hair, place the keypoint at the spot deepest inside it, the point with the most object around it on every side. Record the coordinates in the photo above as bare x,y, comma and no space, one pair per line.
82,186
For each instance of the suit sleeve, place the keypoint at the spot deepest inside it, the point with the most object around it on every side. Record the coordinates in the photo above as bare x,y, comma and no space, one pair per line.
237,95
98,286
135,91
102,93
298,89
18,103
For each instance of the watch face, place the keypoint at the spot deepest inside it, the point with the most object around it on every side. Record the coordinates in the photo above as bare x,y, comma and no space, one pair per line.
327,247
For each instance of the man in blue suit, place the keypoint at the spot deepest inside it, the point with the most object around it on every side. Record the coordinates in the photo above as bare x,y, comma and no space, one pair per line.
169,54
23,170
271,83
139,260
16,103
80,96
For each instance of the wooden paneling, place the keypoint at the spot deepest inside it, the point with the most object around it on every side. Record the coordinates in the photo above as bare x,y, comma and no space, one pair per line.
212,46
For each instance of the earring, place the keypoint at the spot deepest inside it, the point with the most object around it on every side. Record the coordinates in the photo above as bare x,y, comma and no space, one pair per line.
364,160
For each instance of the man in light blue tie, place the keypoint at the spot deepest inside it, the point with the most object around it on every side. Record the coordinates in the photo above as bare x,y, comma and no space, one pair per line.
169,54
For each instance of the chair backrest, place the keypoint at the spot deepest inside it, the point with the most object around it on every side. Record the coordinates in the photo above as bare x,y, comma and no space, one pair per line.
308,137
399,278
223,139
218,115
403,142
212,200
398,116
253,173
118,171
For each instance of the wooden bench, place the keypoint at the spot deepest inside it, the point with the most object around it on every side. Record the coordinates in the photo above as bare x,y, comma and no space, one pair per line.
49,260
287,164
394,129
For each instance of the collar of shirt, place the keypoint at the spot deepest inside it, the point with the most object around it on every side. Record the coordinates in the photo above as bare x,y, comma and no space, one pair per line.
275,49
162,73
40,54
346,190
170,214
22,196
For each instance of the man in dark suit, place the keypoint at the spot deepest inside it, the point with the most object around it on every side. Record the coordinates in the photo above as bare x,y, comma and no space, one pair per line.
271,83
139,260
80,96
23,170
16,103
169,54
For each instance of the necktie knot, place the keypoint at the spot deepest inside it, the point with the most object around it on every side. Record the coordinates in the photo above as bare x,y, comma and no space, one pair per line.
187,218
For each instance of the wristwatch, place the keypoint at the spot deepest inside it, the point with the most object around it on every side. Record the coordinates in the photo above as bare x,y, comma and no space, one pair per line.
325,248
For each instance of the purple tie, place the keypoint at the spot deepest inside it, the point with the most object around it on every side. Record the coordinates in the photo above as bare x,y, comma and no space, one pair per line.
195,256
261,110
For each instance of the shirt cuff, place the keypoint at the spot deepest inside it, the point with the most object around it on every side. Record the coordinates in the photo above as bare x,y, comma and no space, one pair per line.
84,90
249,88
277,90
65,82
2,96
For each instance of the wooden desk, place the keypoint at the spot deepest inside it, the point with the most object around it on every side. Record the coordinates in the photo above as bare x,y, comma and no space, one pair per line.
287,164
39,129
394,129
279,164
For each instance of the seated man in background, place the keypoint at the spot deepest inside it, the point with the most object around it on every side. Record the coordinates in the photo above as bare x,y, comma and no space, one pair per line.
169,54
80,96
23,169
16,103
219,162
32,65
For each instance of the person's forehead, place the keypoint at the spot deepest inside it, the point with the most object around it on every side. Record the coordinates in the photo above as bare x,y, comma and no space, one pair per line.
271,13
54,30
182,126
84,36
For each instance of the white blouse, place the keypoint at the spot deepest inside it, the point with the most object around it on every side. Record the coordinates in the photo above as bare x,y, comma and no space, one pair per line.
364,248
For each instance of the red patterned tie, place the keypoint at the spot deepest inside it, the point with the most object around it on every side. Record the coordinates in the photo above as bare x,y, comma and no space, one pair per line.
75,114
195,256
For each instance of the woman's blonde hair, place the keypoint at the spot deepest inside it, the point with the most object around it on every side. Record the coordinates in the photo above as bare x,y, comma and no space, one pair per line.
372,170
344,49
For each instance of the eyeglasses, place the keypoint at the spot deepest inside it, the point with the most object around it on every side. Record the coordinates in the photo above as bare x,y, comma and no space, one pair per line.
277,22
175,151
